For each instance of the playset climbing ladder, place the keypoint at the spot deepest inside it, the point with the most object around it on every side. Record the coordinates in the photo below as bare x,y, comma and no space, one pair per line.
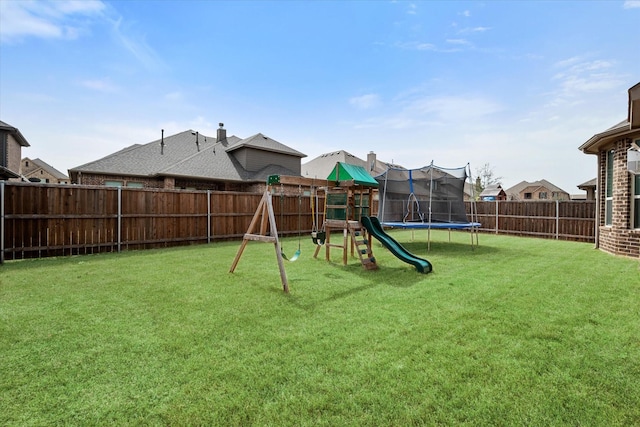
360,238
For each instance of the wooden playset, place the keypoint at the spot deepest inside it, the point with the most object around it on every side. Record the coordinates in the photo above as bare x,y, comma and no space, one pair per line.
348,196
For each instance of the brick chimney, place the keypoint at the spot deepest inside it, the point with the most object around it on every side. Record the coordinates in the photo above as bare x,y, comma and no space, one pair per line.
371,161
222,133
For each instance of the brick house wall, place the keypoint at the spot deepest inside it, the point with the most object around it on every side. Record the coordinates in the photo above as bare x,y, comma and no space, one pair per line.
172,183
11,153
535,192
618,238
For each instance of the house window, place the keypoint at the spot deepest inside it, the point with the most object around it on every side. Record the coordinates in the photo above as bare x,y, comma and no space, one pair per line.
608,201
135,185
113,183
527,196
543,195
636,196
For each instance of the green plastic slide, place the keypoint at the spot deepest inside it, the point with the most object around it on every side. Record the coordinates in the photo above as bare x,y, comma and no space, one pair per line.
373,226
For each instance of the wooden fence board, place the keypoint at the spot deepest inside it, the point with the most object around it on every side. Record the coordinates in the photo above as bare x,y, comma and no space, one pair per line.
566,220
43,220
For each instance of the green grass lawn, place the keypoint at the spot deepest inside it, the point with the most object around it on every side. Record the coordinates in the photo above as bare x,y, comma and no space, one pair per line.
518,331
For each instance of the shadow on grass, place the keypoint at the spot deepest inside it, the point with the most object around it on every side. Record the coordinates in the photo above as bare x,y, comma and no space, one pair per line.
422,249
355,280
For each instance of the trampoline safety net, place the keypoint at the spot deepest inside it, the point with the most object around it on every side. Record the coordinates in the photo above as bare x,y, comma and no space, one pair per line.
430,194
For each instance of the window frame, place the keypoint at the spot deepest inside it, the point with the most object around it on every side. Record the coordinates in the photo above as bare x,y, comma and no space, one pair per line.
635,198
608,185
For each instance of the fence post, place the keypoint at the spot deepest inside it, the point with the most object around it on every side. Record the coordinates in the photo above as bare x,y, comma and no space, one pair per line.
497,216
119,217
1,222
557,219
208,216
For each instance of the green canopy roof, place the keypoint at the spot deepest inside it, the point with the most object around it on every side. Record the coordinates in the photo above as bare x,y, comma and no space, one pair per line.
347,172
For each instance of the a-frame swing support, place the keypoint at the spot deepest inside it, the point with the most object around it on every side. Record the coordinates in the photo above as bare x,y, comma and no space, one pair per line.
265,217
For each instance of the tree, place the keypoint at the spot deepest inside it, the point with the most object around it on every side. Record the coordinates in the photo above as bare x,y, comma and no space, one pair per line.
486,177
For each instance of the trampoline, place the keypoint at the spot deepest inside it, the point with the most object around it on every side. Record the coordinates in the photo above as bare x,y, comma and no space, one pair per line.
434,225
428,198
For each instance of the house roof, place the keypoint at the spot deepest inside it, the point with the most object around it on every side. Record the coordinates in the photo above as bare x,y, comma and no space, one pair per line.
323,165
6,173
181,157
262,142
543,183
15,132
586,184
631,125
492,190
47,167
594,144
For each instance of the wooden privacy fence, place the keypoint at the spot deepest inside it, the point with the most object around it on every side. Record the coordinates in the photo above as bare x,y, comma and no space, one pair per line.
51,220
555,219
43,220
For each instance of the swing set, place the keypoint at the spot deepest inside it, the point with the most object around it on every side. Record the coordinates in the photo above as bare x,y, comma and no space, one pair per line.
263,227
296,255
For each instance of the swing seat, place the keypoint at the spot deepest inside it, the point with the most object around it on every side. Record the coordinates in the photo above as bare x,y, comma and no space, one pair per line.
318,237
293,258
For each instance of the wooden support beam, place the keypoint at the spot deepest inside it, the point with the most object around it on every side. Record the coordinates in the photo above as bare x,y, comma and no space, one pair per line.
264,214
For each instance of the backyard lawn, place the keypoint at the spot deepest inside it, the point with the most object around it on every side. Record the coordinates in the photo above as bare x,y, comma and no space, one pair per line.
518,331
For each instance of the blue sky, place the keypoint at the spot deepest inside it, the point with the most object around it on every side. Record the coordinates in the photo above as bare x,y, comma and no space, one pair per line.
518,85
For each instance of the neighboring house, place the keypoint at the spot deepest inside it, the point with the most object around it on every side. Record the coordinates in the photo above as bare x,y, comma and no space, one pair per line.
37,170
493,192
618,203
11,143
590,188
538,190
323,165
189,160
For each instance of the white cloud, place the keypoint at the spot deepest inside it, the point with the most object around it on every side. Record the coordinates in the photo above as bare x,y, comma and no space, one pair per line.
103,85
632,4
474,29
578,76
174,96
416,46
449,110
45,19
365,102
459,42
136,45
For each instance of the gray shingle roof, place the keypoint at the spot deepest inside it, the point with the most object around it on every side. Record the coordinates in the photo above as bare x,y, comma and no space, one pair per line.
321,166
15,132
516,189
263,142
180,157
47,167
491,190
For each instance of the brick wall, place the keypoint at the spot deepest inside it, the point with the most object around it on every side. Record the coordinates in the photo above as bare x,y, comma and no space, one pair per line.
14,154
171,183
618,238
